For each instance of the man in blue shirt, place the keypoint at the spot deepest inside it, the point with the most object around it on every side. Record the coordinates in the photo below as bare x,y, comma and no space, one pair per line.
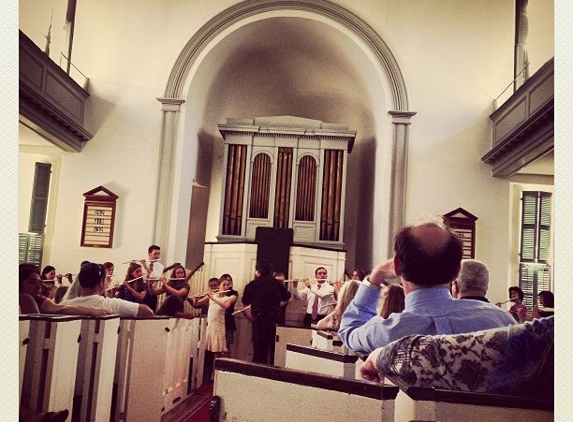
427,259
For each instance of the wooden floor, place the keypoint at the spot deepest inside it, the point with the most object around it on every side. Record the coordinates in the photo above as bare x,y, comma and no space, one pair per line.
185,410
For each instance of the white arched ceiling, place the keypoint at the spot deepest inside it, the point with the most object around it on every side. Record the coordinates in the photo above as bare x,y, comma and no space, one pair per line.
308,59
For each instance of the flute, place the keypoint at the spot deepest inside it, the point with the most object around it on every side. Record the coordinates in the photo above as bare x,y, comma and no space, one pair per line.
241,310
134,279
300,280
505,301
137,261
205,294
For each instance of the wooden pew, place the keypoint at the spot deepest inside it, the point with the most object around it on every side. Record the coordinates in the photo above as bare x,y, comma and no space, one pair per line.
289,334
327,340
140,369
182,360
255,392
321,361
95,370
433,405
49,372
23,341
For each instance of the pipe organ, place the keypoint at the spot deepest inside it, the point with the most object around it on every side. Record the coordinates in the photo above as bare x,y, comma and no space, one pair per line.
285,172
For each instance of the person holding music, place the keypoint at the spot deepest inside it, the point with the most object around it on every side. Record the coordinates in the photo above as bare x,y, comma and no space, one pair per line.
319,297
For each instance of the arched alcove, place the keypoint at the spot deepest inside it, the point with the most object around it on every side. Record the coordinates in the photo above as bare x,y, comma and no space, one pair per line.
240,39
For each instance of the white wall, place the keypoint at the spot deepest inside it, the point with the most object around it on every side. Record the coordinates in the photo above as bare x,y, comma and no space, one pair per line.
455,61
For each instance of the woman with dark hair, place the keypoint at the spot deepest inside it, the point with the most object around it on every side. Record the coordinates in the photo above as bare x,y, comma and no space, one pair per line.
133,288
175,285
547,303
49,277
518,309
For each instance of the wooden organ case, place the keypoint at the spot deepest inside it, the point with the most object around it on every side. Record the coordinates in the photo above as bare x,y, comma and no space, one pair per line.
285,172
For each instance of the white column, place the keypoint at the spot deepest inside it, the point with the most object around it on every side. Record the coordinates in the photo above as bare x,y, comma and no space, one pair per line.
401,121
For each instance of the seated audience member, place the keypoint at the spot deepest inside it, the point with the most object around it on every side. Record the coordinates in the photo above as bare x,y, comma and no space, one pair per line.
346,294
518,309
392,300
547,303
30,289
92,279
515,360
427,260
75,288
472,282
133,288
358,274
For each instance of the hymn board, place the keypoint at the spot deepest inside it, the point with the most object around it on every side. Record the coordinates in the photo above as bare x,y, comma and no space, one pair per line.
99,218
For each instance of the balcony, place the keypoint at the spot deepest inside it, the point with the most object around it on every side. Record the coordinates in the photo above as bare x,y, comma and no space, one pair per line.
523,125
51,102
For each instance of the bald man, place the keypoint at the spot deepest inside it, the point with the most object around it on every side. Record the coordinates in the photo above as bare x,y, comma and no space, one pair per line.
427,259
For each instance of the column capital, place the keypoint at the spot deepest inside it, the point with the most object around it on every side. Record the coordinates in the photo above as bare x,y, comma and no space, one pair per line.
402,116
170,104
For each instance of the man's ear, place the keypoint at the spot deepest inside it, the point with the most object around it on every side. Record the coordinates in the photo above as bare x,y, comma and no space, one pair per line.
455,289
397,266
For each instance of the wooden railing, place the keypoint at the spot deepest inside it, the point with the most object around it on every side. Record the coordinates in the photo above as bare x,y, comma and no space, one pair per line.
102,369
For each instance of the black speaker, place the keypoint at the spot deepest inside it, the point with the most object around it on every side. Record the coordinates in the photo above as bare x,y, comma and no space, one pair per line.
273,244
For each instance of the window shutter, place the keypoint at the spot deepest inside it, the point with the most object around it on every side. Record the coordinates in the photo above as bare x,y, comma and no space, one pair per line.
22,247
40,192
528,219
534,274
30,247
544,226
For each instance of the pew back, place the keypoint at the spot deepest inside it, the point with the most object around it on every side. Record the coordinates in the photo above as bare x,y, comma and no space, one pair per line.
326,362
140,368
249,391
49,373
95,369
428,404
290,335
